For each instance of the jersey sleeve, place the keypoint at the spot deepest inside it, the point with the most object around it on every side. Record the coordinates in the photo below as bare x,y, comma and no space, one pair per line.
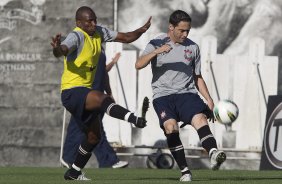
154,44
150,47
72,41
108,35
197,60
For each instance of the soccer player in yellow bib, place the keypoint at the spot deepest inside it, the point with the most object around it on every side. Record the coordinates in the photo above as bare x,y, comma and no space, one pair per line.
81,50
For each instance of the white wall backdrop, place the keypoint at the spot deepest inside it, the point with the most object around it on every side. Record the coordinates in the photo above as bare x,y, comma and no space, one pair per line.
243,35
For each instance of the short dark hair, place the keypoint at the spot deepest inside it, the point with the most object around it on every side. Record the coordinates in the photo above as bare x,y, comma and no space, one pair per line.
178,16
81,10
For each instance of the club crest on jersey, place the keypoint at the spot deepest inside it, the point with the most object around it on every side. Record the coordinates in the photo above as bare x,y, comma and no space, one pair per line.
188,55
163,114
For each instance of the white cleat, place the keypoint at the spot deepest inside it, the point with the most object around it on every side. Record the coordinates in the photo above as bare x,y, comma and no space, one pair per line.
186,177
217,158
120,164
82,177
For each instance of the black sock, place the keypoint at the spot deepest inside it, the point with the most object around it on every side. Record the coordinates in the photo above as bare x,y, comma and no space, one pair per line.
132,118
207,139
117,111
176,148
83,155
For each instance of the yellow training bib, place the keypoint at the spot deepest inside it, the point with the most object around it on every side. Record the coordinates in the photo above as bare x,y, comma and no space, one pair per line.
81,71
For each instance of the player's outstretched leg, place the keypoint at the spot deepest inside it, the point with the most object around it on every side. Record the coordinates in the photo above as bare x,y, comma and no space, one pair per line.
117,111
209,144
99,100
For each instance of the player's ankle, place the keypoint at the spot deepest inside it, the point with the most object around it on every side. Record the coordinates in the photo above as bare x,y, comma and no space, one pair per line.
185,171
132,118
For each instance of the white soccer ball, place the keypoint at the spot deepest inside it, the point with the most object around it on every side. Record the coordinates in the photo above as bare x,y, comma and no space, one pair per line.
226,111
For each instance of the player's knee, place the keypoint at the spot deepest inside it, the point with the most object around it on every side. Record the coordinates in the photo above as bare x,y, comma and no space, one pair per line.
199,120
94,100
93,138
170,126
170,131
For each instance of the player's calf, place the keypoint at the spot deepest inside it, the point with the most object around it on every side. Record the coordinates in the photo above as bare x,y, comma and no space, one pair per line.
117,111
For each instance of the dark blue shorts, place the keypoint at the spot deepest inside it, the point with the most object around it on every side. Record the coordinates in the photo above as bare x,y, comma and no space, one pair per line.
74,101
181,107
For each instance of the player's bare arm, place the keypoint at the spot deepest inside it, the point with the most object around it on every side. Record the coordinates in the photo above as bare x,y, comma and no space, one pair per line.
113,62
133,35
58,49
202,88
143,61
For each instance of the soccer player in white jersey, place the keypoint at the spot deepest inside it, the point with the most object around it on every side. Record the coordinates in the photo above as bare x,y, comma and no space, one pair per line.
176,67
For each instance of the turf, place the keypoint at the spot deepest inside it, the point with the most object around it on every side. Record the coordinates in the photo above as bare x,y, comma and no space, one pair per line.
9,175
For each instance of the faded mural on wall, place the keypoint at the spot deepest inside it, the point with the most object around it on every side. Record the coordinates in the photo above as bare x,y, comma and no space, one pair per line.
30,107
233,23
11,13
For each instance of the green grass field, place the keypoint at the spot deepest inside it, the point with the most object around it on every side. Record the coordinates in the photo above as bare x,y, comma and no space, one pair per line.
9,175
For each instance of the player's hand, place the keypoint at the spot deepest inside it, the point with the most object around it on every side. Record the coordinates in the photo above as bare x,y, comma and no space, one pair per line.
140,123
164,48
56,41
210,115
209,112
